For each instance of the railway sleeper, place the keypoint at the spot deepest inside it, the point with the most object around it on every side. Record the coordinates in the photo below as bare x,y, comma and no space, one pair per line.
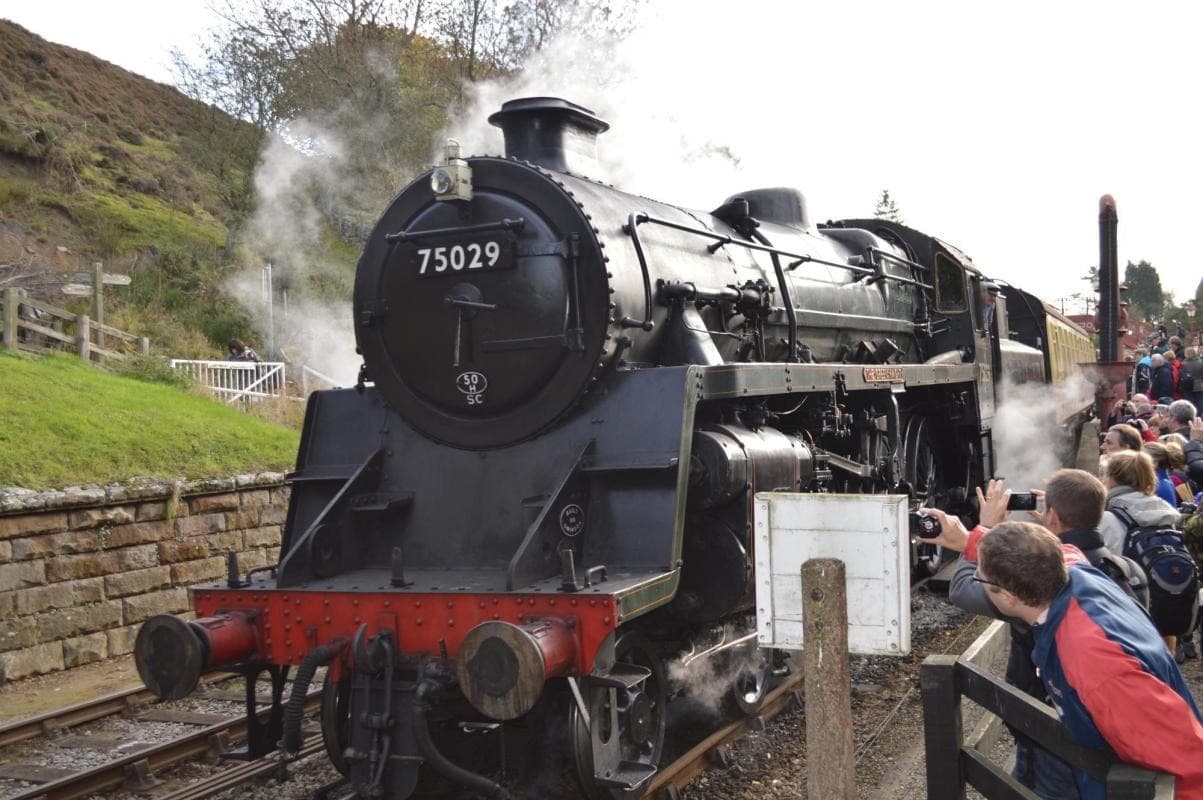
139,777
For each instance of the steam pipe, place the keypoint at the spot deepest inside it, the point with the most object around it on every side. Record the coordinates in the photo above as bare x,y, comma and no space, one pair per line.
439,762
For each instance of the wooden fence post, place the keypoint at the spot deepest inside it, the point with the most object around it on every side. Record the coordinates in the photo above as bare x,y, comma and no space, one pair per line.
830,764
144,345
83,337
12,298
942,728
1128,782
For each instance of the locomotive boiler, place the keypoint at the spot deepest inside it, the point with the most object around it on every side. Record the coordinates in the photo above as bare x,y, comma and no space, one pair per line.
540,490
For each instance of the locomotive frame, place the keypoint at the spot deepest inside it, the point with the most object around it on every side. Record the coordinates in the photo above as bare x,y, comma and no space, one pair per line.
542,486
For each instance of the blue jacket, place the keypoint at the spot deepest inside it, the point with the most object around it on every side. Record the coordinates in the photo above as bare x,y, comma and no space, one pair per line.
1165,488
1163,383
1115,685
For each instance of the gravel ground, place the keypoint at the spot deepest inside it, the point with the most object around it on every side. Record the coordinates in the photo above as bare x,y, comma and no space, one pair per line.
887,722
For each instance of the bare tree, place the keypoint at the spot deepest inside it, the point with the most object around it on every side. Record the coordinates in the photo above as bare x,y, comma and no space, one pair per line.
379,75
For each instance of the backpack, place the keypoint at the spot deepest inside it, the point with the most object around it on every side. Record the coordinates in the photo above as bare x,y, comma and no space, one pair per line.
1191,378
1143,378
1172,575
1125,571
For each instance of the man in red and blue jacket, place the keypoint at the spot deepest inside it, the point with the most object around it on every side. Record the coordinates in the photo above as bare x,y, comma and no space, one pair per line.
1107,671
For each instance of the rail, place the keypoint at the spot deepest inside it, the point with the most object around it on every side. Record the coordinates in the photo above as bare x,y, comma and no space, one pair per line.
36,326
236,380
678,775
953,761
135,770
107,705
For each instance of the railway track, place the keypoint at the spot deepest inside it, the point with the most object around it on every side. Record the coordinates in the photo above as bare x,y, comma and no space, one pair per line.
674,778
212,735
60,719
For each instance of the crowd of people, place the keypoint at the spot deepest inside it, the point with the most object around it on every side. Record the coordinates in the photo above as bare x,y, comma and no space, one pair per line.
1100,587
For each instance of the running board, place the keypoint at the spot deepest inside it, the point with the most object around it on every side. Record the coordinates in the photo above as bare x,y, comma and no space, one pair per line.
630,776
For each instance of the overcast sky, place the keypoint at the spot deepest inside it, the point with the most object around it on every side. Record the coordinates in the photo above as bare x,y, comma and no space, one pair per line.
994,126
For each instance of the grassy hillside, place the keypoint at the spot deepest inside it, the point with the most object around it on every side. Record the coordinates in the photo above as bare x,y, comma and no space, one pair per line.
67,423
99,164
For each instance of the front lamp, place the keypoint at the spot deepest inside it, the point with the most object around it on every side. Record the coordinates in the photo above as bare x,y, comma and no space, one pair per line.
441,181
452,180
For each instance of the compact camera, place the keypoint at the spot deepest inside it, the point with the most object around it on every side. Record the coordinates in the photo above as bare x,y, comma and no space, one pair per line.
924,527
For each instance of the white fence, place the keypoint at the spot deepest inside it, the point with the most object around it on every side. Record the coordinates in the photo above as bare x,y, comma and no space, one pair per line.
236,380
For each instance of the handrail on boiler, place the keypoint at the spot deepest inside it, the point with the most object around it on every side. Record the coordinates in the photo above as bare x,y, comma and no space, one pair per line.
721,239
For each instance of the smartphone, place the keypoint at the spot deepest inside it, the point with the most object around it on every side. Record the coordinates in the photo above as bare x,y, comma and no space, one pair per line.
1021,501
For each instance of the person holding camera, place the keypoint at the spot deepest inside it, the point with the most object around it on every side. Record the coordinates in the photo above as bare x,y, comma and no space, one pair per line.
1073,508
1099,657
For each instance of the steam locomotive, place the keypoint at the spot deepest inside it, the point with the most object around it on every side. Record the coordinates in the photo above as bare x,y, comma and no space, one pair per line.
541,487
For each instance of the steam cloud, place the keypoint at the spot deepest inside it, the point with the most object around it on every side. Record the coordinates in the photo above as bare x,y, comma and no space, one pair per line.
1026,435
709,680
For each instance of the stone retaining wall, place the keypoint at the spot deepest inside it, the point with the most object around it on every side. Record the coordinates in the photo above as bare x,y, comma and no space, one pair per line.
82,568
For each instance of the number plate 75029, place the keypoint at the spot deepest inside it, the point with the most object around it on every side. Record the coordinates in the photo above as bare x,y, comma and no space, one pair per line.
472,255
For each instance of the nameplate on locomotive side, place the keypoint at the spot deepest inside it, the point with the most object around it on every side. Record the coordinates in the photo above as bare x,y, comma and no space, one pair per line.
883,375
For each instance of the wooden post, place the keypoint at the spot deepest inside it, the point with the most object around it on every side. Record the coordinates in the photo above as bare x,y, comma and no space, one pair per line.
12,299
144,345
98,301
83,337
98,292
830,764
1129,782
942,728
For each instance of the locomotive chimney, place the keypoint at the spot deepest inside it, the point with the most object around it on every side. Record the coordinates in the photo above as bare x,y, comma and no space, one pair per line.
552,133
1109,291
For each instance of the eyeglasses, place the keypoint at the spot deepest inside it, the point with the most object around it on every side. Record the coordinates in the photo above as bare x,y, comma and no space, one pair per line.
977,577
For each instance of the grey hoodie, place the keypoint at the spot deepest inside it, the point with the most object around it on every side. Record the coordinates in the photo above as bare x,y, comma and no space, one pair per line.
1145,509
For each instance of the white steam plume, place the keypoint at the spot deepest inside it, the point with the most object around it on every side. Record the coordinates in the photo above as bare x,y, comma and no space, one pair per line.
302,182
709,680
1026,434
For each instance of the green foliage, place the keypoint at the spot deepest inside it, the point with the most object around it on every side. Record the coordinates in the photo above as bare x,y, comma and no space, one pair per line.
123,224
226,321
1145,296
151,369
27,138
68,423
15,192
1197,316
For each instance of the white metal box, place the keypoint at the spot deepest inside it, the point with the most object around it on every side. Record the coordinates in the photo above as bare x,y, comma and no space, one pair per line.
869,533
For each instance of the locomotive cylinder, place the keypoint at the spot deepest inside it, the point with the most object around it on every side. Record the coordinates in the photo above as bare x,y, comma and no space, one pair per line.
171,654
502,667
727,460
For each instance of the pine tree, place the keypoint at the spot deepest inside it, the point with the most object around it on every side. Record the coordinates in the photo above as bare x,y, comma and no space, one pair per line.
887,208
1197,316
